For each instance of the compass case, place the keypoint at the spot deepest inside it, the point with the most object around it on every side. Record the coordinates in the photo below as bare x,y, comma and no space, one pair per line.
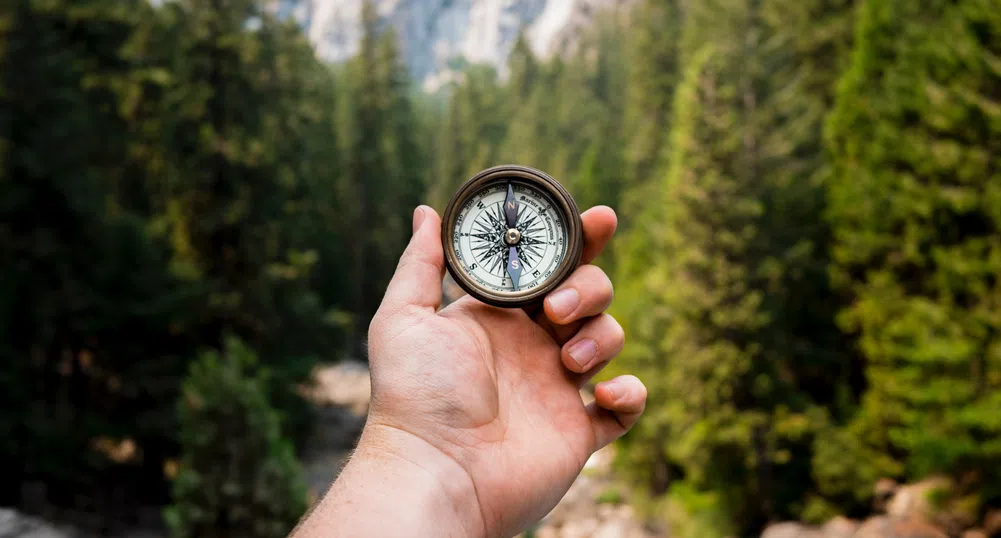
562,201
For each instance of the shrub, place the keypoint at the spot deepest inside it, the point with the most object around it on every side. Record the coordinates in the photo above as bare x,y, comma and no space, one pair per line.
237,476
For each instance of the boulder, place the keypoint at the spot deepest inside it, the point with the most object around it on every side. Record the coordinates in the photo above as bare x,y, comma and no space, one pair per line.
619,528
882,492
889,527
789,529
547,532
579,528
14,523
345,384
840,527
914,501
992,523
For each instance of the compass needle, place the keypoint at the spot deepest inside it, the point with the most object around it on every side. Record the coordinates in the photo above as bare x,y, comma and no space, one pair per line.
511,207
514,267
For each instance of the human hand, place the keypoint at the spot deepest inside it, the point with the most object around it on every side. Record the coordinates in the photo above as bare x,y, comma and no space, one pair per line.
476,414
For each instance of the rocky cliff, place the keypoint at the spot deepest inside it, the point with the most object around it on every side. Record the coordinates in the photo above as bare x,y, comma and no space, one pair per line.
437,35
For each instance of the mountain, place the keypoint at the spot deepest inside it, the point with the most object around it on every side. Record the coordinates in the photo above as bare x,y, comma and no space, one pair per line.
437,35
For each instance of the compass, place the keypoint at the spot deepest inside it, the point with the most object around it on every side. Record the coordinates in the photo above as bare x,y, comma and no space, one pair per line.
511,234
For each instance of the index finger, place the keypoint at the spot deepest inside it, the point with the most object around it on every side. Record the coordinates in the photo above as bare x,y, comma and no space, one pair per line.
599,226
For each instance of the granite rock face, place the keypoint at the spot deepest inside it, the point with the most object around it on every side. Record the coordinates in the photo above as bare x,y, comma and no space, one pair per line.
438,35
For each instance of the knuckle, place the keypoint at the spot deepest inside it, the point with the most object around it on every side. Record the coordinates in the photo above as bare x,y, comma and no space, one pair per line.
609,289
597,276
643,394
612,334
617,332
593,278
377,326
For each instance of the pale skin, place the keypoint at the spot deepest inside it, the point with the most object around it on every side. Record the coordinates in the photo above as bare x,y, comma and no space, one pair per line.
476,426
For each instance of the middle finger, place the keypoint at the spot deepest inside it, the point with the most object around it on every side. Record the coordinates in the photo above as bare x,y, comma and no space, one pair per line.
586,293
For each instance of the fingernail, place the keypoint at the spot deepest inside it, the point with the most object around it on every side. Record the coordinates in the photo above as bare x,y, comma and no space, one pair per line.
583,351
615,389
564,302
418,218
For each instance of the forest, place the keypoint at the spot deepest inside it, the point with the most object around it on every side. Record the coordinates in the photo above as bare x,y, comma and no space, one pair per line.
195,212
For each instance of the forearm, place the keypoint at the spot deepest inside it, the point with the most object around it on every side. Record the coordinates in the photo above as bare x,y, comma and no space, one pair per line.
396,485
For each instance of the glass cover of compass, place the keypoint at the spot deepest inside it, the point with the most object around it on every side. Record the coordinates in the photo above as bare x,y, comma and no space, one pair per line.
511,234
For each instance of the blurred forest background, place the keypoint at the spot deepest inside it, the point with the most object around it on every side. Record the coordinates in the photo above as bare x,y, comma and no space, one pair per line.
195,212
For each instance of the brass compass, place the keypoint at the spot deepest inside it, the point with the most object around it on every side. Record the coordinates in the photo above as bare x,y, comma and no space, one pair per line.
511,234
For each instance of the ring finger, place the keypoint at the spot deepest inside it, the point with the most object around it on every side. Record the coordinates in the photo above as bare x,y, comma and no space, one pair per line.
588,292
599,340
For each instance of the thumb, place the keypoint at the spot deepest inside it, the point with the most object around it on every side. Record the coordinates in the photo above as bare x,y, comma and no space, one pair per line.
417,281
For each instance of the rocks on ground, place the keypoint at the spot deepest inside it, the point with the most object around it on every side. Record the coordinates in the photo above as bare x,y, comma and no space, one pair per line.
930,508
992,523
14,523
594,506
839,527
341,393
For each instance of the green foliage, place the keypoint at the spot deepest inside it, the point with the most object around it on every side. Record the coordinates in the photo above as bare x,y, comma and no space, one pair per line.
384,179
237,475
470,133
914,206
82,267
653,76
610,495
811,310
730,314
169,173
844,465
693,512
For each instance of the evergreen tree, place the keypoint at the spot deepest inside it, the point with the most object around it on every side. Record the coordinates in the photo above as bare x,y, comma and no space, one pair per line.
82,268
914,208
729,321
530,138
523,73
157,167
233,201
589,116
471,132
384,176
237,476
653,73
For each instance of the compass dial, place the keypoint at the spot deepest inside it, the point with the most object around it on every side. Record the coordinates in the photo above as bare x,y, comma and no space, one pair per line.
511,234
483,243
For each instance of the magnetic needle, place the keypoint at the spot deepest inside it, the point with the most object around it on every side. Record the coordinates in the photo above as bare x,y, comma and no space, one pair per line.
511,234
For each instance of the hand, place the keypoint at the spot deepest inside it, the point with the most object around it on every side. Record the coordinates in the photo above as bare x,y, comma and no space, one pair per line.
476,422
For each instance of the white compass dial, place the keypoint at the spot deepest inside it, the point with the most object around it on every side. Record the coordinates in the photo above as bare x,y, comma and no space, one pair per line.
483,239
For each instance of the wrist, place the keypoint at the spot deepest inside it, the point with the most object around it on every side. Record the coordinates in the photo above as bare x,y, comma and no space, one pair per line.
397,484
445,485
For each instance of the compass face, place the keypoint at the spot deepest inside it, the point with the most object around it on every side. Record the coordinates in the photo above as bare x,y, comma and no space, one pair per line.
511,234
483,244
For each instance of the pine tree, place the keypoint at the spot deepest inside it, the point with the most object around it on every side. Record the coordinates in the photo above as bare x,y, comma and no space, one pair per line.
530,136
914,208
589,117
237,476
163,170
653,74
82,268
384,176
234,192
740,355
471,133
